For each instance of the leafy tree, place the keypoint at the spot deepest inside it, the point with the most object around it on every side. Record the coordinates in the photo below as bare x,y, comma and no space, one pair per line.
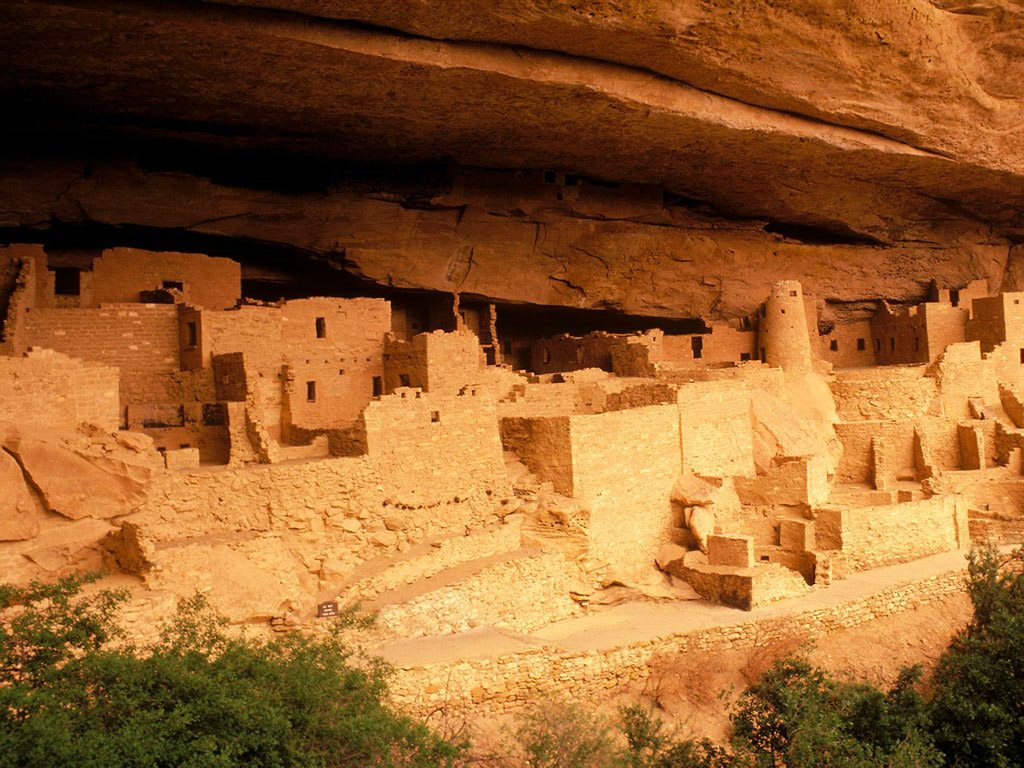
977,709
648,745
797,716
75,692
563,735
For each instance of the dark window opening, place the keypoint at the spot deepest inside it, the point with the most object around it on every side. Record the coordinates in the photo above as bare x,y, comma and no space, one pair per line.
549,177
954,297
744,357
310,391
878,345
764,357
173,285
377,388
193,333
435,416
67,281
782,311
792,293
892,343
697,345
917,344
765,558
403,379
1022,357
214,415
861,346
321,328
833,346
571,180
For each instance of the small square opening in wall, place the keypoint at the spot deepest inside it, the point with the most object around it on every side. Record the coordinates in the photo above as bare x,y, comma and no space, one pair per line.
833,345
321,327
792,293
341,371
403,379
744,357
310,391
435,416
67,281
861,346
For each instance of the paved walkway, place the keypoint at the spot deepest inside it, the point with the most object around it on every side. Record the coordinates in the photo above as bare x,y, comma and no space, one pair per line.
639,621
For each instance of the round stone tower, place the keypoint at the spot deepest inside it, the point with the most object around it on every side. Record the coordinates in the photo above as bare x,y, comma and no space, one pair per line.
785,341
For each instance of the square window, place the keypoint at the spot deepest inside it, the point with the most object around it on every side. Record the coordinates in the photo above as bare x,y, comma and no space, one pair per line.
744,357
792,293
321,328
403,379
860,345
67,281
310,391
833,345
341,371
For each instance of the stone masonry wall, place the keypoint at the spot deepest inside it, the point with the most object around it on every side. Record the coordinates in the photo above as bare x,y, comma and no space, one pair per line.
120,274
624,464
508,683
870,537
716,429
48,389
141,340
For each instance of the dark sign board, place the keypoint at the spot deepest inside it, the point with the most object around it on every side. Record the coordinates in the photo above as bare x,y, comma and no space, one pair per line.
327,609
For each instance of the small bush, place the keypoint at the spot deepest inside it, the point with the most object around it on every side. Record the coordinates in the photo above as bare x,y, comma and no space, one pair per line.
199,697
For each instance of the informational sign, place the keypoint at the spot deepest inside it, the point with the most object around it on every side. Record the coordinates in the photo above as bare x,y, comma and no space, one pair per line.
324,610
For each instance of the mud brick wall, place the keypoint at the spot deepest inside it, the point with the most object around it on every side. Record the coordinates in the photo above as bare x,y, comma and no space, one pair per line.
854,345
51,390
624,464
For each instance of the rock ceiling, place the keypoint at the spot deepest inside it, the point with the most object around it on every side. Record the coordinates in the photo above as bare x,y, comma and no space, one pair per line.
893,127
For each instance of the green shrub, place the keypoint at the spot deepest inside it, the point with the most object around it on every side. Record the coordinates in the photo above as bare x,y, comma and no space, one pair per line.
977,709
71,697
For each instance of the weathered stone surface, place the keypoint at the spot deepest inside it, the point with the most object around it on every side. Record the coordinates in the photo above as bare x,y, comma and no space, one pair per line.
18,520
75,486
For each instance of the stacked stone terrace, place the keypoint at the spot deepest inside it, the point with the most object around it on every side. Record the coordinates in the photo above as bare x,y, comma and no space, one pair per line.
329,450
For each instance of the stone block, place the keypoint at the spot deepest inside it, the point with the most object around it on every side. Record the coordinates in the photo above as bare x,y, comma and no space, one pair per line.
796,535
181,458
732,550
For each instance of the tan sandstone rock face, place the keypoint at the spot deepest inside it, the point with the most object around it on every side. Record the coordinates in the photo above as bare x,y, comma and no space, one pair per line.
18,520
78,486
863,147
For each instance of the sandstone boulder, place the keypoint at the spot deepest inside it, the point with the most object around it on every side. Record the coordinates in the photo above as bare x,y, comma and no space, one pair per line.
75,486
18,520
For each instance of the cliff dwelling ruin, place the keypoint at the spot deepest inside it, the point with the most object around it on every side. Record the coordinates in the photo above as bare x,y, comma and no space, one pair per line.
623,355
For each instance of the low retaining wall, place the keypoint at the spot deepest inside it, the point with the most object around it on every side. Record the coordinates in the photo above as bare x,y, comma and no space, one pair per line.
507,683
